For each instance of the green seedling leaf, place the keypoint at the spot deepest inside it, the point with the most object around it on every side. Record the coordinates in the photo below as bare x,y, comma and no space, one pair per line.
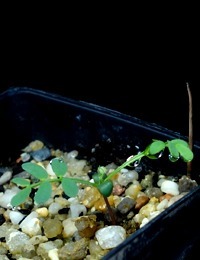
179,147
20,181
179,141
102,170
156,147
153,157
100,176
95,177
20,197
36,170
185,152
173,150
43,193
59,167
106,188
70,187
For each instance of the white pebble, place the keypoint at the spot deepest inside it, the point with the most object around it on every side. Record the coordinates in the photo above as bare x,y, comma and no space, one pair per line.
5,198
31,224
76,210
160,181
54,208
162,205
32,215
50,170
16,216
127,177
69,227
53,254
25,157
32,228
144,222
111,236
170,187
5,177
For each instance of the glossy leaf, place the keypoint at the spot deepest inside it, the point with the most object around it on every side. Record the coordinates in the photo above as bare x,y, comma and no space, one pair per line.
36,170
179,141
156,147
59,167
153,157
43,193
173,150
185,152
70,187
179,147
21,197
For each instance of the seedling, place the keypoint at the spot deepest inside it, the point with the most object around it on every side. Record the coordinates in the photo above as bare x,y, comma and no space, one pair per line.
101,180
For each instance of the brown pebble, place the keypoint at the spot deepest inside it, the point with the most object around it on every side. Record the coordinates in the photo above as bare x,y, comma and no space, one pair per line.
141,201
118,189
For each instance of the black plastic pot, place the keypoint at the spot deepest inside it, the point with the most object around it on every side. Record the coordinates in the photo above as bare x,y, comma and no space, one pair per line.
27,114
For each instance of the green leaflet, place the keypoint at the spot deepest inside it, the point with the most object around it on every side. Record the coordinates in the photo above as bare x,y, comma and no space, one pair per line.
173,150
179,147
156,147
70,187
21,181
185,152
59,167
43,193
36,170
21,197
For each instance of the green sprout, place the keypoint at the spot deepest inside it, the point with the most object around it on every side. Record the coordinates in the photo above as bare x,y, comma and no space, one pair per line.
103,182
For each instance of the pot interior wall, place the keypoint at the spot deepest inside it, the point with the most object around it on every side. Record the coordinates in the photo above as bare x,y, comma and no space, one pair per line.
27,114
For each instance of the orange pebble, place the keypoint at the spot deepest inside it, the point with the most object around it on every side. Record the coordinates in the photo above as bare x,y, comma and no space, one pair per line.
141,201
165,196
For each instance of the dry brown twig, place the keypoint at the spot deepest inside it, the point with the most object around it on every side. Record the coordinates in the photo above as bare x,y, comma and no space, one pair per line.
190,135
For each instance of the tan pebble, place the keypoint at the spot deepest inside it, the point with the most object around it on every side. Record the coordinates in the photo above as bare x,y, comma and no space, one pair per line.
2,210
133,190
52,227
115,177
62,201
101,205
36,145
86,226
42,212
6,215
90,196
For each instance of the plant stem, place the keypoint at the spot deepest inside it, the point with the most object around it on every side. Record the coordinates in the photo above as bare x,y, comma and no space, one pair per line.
110,211
127,163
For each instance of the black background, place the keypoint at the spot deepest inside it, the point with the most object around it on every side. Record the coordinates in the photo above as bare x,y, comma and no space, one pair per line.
161,100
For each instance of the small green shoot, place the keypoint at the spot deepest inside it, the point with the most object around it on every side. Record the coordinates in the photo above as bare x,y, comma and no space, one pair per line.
101,180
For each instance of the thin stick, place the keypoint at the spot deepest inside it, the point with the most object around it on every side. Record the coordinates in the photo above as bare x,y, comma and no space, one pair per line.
110,211
190,137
